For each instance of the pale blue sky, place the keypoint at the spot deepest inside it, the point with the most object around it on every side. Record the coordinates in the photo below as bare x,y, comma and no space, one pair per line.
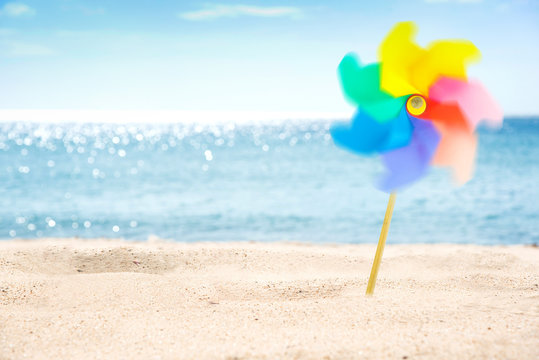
247,55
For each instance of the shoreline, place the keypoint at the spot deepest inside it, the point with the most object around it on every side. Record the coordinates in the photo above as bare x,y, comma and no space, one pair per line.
95,298
155,240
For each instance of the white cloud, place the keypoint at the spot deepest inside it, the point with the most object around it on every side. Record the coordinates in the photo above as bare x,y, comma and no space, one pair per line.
17,49
73,6
6,32
211,12
453,1
92,11
510,5
15,9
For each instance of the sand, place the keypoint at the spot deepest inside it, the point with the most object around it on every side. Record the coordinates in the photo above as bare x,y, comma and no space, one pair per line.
94,299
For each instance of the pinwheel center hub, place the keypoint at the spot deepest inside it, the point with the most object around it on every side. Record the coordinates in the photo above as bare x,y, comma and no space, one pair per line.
416,105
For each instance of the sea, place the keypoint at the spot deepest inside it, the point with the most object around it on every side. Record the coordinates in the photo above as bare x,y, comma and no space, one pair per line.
282,181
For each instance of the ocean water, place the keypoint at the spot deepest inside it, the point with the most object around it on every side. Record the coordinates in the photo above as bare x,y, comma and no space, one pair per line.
272,182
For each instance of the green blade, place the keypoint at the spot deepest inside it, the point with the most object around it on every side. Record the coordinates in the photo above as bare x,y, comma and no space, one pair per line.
361,86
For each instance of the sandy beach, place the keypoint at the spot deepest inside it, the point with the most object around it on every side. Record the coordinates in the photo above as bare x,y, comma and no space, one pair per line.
94,299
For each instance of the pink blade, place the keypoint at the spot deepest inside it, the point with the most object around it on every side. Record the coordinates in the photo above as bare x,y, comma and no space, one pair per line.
471,96
456,150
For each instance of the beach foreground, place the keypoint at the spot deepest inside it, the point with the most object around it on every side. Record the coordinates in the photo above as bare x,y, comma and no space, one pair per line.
89,299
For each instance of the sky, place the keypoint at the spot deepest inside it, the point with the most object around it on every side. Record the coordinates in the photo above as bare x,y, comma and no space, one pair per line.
241,56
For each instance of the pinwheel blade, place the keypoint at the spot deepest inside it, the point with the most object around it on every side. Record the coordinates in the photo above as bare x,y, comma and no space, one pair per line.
408,68
447,58
472,98
457,150
445,113
458,144
397,54
366,136
409,163
361,85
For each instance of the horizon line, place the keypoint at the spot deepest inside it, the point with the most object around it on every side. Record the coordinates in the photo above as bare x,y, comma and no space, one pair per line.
175,116
163,116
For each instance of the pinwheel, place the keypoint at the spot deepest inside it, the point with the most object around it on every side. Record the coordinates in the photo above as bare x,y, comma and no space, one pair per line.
416,108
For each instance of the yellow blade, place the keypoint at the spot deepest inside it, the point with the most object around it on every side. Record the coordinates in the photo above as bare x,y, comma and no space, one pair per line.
398,53
407,68
446,57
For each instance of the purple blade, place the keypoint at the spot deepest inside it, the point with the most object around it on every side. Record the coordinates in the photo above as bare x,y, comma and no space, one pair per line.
409,163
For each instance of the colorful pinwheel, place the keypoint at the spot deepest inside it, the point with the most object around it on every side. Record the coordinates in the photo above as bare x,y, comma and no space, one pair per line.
416,107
